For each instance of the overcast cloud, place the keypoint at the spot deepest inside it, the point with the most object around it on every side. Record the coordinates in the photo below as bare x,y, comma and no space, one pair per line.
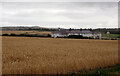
59,0
60,14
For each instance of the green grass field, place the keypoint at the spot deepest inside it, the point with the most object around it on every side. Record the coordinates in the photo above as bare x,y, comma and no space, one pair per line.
111,35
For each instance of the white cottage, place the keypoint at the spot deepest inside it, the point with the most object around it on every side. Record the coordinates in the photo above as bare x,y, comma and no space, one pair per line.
83,32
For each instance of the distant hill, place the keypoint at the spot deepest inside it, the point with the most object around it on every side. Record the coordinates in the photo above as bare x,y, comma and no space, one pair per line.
102,30
28,28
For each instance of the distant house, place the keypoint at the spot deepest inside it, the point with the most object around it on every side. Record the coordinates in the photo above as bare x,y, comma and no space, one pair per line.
83,32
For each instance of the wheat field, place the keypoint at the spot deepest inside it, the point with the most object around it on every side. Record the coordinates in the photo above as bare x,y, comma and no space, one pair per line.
29,32
28,55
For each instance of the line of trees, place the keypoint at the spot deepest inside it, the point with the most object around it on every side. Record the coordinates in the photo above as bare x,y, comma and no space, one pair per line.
27,35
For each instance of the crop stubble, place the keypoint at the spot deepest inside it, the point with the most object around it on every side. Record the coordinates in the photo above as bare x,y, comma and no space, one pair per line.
28,55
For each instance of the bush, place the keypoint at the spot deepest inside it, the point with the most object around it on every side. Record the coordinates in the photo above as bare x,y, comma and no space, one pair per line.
12,34
48,35
78,37
22,35
27,35
33,35
5,34
75,36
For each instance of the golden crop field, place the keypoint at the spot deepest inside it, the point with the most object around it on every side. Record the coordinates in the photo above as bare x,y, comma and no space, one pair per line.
29,32
28,55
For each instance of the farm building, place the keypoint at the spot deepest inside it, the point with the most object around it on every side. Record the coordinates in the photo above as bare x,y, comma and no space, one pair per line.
82,32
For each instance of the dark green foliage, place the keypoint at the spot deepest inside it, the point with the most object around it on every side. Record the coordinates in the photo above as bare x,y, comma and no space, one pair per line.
27,35
5,34
75,36
78,37
48,35
12,34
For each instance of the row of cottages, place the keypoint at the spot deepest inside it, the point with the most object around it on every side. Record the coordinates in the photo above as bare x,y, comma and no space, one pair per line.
83,32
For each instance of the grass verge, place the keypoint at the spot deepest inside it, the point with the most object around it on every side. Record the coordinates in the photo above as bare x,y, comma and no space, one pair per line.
111,70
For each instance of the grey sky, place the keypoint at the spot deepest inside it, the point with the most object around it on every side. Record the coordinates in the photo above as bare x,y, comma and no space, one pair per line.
60,14
59,0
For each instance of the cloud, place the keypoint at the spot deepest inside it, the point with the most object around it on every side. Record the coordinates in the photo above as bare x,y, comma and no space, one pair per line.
59,0
61,14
